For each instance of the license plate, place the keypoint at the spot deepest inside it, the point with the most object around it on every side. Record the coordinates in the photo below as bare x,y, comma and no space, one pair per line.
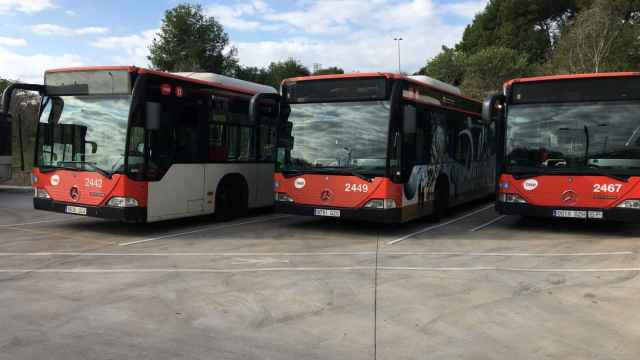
578,214
326,212
76,210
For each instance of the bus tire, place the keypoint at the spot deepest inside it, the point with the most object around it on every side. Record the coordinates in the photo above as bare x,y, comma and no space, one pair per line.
441,199
231,198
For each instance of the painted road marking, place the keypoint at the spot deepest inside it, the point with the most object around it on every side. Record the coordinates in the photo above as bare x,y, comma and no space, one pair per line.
488,223
259,261
303,269
46,220
216,227
330,253
437,226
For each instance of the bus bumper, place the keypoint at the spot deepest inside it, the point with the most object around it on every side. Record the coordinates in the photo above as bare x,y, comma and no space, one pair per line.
134,215
389,216
612,214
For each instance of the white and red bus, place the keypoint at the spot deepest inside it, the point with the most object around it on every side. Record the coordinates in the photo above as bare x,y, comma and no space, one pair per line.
381,147
569,146
139,145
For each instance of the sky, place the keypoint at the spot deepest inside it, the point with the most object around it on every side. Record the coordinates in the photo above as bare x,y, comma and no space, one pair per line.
356,35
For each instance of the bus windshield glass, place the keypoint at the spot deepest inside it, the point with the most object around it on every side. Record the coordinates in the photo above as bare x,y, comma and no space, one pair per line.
340,136
84,133
584,137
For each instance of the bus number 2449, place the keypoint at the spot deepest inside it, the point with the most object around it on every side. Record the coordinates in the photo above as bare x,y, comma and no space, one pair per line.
356,187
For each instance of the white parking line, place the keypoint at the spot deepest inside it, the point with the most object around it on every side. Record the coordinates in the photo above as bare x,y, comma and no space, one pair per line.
196,270
437,226
217,227
331,253
511,269
488,223
46,220
307,269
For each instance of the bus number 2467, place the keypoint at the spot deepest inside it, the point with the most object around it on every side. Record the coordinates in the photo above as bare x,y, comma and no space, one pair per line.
612,188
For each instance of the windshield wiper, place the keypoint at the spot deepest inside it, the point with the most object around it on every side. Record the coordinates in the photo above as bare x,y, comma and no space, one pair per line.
93,166
326,170
523,175
343,171
519,176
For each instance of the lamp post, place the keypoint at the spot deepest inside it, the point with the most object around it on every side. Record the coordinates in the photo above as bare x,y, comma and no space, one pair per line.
397,40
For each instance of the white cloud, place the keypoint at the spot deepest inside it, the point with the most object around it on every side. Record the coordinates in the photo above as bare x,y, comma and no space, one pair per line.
230,15
24,6
9,41
357,35
30,68
70,12
57,30
131,49
466,9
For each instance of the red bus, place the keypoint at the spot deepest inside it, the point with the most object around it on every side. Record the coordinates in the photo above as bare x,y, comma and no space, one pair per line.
568,146
381,147
139,145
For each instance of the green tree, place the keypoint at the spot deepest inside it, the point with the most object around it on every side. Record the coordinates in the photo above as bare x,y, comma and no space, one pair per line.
189,40
487,70
602,38
278,71
448,66
329,71
252,73
3,84
528,26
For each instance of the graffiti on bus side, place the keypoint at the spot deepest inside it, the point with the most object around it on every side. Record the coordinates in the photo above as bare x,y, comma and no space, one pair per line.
468,162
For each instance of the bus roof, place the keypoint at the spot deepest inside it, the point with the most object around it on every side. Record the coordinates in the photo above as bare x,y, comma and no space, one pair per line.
571,76
418,80
210,79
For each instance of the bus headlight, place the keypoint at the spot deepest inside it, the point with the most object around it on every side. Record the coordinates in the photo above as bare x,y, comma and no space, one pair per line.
34,179
511,198
630,204
380,204
122,202
42,194
283,197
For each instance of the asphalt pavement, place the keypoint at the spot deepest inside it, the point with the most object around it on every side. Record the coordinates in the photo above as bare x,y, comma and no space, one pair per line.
270,286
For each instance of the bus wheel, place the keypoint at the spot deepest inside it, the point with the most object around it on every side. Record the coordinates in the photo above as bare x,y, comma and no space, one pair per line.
231,199
441,200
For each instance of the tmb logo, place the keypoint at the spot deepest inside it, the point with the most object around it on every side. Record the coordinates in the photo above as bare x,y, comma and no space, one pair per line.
530,184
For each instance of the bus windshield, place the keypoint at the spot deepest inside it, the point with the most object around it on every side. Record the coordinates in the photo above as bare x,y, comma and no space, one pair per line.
598,137
339,136
84,132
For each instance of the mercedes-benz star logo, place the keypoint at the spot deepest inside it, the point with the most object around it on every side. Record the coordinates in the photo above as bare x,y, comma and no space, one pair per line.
74,193
569,197
326,195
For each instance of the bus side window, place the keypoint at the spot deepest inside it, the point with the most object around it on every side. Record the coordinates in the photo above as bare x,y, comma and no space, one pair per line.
231,141
187,134
245,144
267,142
464,148
409,127
218,148
423,136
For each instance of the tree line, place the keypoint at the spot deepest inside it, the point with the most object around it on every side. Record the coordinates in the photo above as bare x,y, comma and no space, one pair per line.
189,40
516,38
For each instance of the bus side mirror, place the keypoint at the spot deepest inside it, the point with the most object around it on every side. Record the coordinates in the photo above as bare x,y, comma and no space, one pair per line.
94,146
491,106
153,116
263,104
